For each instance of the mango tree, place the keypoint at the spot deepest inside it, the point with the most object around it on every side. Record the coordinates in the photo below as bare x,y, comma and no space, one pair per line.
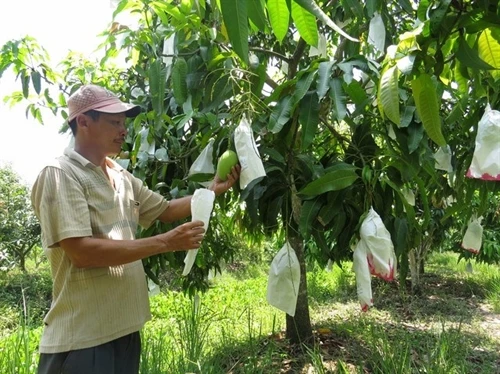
19,228
349,103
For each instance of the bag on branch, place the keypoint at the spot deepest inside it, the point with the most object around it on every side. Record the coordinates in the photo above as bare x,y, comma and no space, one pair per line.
373,255
486,158
380,250
203,168
363,276
284,279
473,238
252,167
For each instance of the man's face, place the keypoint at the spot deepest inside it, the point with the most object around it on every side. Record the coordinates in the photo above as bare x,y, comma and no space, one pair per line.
108,132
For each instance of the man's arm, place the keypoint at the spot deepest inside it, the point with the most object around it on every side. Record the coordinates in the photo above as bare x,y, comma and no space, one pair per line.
88,252
181,208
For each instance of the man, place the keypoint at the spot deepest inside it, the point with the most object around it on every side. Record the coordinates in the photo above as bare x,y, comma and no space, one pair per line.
89,208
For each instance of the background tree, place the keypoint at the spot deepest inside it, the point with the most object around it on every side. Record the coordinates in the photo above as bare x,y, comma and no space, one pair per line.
19,228
346,118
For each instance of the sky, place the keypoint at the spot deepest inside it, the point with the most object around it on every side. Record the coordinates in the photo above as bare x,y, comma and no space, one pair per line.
59,26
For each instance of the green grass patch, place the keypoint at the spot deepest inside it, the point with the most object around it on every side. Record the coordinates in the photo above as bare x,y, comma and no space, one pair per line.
450,327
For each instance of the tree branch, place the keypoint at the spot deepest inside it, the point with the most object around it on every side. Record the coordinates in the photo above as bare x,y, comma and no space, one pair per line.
297,55
272,53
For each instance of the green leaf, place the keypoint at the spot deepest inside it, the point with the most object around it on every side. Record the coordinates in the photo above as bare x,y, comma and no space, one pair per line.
314,9
407,117
415,135
330,209
36,80
25,81
460,75
470,57
309,118
279,16
410,211
157,78
427,103
179,83
235,17
339,177
280,115
356,92
306,24
308,216
400,235
388,95
489,49
337,95
371,7
437,15
303,86
354,6
171,9
324,74
257,14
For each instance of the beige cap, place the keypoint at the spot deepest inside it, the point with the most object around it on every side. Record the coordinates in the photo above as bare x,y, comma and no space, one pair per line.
94,97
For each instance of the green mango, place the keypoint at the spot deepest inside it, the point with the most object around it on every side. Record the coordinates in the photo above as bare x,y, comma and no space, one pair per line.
226,162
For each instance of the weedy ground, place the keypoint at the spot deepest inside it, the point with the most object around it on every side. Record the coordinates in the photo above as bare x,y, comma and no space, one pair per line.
451,326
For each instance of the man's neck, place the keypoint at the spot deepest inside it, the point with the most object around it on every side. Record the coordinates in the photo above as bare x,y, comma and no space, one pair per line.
92,155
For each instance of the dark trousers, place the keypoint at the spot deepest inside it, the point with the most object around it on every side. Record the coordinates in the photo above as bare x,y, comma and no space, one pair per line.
120,356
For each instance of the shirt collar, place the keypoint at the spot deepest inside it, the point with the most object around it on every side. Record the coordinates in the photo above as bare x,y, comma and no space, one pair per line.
75,156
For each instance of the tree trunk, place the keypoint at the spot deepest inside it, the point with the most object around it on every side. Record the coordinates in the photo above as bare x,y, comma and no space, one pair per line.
298,328
414,271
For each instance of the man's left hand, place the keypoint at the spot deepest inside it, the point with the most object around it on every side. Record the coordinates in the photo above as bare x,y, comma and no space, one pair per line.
219,186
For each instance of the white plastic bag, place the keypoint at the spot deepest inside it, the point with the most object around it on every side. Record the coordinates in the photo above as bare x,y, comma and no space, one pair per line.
284,279
380,250
248,155
486,158
202,204
473,238
363,276
203,167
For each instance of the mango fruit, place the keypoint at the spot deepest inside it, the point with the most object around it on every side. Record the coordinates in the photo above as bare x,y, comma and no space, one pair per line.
226,161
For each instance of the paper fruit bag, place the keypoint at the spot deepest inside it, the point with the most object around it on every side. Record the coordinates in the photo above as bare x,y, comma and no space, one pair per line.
363,276
248,154
203,168
473,238
202,204
284,279
373,255
380,250
486,158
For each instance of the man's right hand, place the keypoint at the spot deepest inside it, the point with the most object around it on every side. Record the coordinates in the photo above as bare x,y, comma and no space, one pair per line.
184,237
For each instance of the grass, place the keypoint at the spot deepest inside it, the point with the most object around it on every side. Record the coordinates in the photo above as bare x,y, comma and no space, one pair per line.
451,327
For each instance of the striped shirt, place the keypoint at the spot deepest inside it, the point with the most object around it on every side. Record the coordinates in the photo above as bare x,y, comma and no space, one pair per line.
72,197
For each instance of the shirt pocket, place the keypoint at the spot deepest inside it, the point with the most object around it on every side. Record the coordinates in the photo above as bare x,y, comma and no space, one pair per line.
135,208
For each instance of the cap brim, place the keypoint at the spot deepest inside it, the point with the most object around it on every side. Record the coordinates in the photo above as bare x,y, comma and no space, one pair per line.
130,110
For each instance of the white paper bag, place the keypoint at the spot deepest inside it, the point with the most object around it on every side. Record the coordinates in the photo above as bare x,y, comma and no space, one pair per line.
284,279
486,158
473,238
203,167
363,276
380,250
443,159
202,204
248,155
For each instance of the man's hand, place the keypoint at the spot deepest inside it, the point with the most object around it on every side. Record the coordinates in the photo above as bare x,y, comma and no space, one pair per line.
219,186
184,237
